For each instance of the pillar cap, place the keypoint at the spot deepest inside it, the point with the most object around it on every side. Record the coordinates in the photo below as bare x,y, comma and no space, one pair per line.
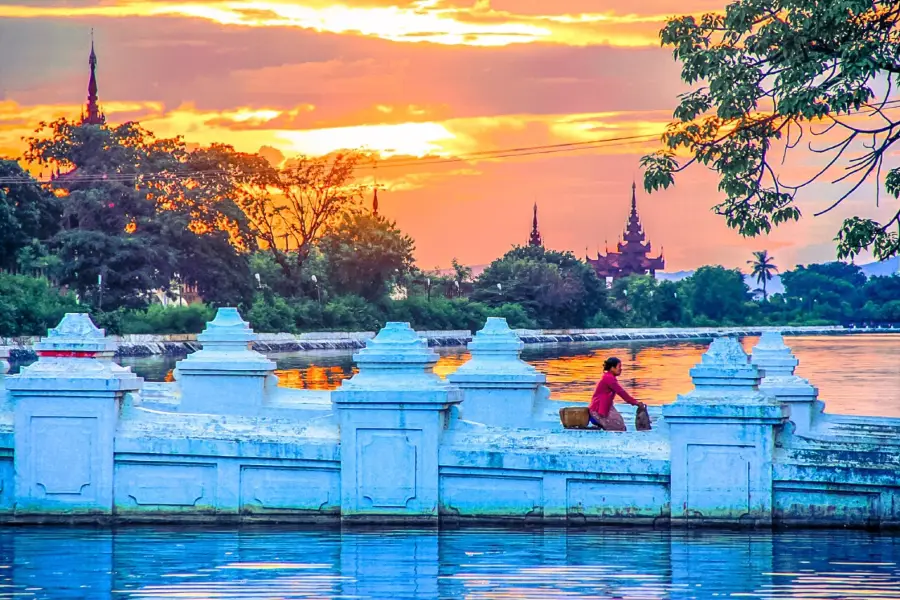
226,348
772,355
725,377
396,359
74,357
398,345
496,351
76,336
227,327
725,360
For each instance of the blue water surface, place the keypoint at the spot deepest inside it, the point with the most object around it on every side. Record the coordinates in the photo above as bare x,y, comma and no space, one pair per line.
280,563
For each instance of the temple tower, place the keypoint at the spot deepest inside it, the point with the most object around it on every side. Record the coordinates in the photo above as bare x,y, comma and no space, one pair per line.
632,256
93,114
535,238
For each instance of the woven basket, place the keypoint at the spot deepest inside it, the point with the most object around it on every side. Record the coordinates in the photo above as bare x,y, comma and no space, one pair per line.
575,418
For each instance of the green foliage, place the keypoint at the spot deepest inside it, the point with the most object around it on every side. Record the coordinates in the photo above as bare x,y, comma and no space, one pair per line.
352,313
516,316
143,213
828,291
767,74
289,210
439,313
272,315
638,296
30,306
29,217
168,319
555,288
763,269
717,294
365,254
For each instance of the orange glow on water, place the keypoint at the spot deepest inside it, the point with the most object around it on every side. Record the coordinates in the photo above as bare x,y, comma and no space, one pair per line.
855,374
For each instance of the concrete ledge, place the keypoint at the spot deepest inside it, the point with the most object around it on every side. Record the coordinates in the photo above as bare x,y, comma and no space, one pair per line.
138,346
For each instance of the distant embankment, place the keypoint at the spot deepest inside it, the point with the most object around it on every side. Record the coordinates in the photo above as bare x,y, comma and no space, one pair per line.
21,349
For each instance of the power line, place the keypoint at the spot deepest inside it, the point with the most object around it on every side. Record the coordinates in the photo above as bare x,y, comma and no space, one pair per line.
496,154
484,155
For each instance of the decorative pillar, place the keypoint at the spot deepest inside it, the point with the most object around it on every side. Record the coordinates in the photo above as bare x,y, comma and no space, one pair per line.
226,376
392,415
66,410
499,388
722,437
777,364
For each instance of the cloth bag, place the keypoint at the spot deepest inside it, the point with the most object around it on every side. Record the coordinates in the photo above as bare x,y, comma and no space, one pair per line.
642,419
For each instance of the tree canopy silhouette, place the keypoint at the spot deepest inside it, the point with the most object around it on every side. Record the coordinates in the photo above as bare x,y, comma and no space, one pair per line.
769,75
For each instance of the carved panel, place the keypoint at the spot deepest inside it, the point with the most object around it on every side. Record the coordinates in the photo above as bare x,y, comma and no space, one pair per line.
718,480
616,499
7,483
165,484
269,488
387,466
53,438
827,506
472,495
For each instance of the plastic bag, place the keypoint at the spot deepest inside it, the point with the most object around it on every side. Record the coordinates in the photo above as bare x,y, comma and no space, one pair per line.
642,419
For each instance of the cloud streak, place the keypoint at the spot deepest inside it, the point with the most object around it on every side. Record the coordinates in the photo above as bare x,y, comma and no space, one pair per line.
420,82
433,21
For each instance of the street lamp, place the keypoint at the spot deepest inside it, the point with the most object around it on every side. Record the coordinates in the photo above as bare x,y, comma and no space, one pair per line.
100,286
315,281
258,280
428,288
456,283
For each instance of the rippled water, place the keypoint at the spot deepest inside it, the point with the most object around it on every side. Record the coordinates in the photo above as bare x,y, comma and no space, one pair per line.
855,374
149,563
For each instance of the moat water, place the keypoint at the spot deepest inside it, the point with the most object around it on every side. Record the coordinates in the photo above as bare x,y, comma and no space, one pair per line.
855,374
285,564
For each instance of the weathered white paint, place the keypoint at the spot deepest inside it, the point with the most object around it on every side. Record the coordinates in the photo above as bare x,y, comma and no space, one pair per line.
82,438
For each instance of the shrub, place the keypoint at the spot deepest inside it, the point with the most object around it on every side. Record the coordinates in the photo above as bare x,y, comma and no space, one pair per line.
271,315
30,306
352,313
168,319
516,316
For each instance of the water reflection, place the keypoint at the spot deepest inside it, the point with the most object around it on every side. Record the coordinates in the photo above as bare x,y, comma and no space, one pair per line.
855,374
152,563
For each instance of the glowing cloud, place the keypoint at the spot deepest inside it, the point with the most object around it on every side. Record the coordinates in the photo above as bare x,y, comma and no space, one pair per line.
418,21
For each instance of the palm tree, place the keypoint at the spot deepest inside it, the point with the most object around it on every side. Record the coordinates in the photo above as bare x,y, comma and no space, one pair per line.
763,268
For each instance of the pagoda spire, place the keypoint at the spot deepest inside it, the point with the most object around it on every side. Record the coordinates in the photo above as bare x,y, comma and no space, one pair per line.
535,239
633,198
93,116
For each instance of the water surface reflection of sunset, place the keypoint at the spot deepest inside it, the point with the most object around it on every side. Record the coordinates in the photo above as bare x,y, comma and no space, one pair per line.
855,374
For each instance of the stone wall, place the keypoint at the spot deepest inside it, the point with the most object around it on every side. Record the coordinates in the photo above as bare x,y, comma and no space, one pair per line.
83,439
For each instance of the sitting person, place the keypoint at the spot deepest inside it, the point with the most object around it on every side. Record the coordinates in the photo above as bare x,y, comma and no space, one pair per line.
603,414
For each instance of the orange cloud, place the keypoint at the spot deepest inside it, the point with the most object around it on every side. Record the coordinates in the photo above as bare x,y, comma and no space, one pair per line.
249,129
310,76
478,24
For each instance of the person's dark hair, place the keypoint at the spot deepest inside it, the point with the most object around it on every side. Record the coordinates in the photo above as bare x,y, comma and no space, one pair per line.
611,363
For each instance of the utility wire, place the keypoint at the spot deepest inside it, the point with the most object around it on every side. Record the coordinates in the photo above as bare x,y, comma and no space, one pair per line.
434,160
501,153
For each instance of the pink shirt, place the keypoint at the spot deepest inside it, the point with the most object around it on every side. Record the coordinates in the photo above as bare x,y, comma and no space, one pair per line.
605,393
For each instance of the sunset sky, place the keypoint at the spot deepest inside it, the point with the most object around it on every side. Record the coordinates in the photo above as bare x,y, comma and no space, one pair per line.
413,78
